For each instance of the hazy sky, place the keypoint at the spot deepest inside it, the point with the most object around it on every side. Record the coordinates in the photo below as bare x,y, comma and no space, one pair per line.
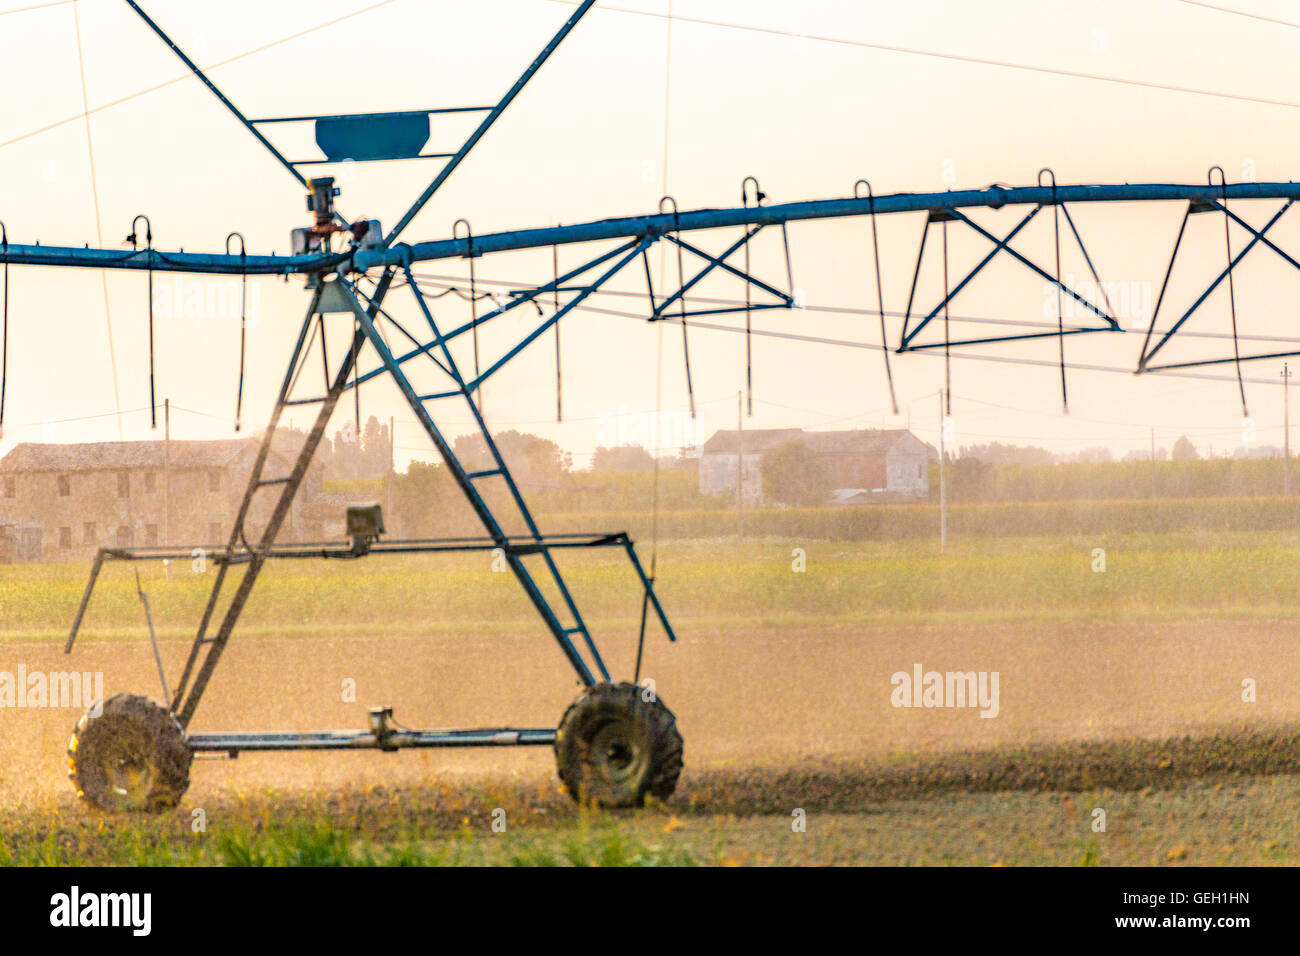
586,140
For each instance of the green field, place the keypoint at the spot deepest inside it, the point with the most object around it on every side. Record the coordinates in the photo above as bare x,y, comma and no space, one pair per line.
980,580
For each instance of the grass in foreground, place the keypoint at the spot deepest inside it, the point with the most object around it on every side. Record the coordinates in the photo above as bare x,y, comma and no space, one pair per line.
1225,798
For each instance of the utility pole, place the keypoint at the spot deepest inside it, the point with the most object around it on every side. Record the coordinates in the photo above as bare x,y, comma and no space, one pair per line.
740,467
1153,461
1286,429
943,490
167,497
391,468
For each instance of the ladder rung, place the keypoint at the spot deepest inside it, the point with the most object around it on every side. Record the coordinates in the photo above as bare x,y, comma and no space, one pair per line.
434,396
475,475
274,481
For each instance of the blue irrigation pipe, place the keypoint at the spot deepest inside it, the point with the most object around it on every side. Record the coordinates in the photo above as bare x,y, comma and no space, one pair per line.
637,227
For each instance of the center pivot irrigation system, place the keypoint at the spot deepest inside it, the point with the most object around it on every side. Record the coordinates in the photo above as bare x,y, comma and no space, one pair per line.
617,742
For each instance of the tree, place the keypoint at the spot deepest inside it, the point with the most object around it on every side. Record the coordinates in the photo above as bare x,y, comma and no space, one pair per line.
996,453
622,458
1096,456
358,456
532,460
428,500
1184,450
793,474
376,448
971,479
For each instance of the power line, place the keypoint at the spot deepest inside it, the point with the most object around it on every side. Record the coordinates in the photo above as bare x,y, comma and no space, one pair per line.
1197,427
981,61
446,282
125,411
967,356
1240,13
79,418
37,6
99,227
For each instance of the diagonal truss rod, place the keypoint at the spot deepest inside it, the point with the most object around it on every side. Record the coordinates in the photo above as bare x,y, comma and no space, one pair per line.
212,87
1257,237
453,159
564,310
1003,244
207,647
785,299
488,120
468,481
624,253
628,250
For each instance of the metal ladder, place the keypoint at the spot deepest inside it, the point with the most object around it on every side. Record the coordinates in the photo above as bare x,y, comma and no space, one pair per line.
207,648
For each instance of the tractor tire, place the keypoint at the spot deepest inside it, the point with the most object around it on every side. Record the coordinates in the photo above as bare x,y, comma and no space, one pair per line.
613,747
132,757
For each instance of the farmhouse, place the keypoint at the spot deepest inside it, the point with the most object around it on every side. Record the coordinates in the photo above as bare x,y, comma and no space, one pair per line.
65,501
865,464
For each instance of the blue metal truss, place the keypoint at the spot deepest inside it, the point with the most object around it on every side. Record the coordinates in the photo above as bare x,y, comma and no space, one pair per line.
909,333
403,135
246,558
1258,237
636,227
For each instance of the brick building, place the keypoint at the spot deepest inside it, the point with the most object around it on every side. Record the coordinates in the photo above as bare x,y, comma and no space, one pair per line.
65,501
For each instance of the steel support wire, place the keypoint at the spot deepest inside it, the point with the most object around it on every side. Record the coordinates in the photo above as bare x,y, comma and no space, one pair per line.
880,294
1060,302
681,303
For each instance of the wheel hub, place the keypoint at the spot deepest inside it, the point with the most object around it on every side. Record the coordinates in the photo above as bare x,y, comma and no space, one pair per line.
618,753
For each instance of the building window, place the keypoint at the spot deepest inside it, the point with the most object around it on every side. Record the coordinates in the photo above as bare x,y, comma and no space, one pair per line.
214,531
150,482
11,486
123,484
150,535
124,536
214,481
65,486
920,473
88,533
65,539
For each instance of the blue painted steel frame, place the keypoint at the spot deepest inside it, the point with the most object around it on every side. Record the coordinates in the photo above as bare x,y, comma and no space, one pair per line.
637,233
